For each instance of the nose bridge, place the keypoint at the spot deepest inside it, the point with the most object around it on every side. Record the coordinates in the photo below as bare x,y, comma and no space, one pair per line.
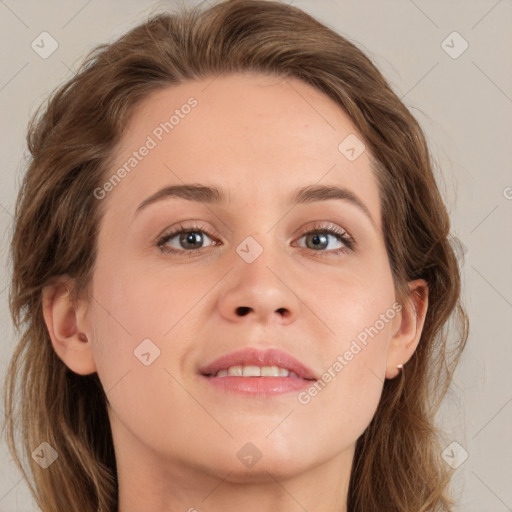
260,259
260,246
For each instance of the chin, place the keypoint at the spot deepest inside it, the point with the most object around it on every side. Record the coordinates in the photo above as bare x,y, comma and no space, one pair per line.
252,461
263,470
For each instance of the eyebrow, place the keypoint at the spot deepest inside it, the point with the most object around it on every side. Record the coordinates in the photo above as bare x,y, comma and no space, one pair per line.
214,195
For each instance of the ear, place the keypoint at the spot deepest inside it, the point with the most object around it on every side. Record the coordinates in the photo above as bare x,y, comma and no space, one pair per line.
65,326
407,327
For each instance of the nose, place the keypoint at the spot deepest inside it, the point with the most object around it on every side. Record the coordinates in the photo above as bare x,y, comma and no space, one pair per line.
261,291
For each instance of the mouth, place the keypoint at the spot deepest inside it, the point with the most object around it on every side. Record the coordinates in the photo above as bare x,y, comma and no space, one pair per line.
258,373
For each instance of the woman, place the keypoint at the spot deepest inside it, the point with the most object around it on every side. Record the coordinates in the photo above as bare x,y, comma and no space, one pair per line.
232,266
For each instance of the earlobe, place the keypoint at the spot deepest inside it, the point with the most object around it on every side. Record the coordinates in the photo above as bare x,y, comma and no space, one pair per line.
406,338
67,337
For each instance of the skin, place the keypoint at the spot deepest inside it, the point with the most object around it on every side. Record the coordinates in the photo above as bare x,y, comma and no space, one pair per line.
176,437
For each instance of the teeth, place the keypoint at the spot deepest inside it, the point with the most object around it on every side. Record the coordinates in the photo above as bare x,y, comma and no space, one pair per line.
255,371
251,371
273,371
235,370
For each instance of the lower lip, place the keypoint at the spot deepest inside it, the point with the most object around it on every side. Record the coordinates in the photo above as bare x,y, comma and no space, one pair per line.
262,386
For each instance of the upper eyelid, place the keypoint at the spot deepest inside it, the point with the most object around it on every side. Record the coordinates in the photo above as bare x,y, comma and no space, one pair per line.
303,231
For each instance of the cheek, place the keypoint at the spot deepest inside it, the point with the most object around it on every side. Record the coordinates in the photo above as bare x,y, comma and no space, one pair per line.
355,303
350,387
137,317
143,302
360,311
136,363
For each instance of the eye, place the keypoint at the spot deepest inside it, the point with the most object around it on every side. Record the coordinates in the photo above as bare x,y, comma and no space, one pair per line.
185,239
192,239
320,237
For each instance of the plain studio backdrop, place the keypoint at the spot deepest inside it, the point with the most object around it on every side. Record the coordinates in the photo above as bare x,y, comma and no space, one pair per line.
450,63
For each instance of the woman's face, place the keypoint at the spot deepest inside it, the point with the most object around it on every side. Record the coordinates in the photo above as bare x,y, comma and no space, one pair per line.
255,272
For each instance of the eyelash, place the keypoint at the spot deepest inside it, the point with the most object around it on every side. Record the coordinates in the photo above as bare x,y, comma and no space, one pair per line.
347,240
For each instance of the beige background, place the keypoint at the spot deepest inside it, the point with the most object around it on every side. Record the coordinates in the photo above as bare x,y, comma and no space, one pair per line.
465,107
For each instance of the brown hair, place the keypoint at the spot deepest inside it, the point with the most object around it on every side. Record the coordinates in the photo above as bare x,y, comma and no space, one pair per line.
397,464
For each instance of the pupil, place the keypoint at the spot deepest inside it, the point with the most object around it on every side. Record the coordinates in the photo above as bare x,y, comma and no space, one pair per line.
192,237
319,239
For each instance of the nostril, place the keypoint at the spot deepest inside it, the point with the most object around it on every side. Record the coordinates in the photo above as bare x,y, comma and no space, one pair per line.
242,310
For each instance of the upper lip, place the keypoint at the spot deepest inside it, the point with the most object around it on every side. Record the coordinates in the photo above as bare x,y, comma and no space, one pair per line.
255,357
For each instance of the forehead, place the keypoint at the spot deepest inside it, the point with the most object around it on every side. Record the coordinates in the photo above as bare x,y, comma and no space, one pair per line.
256,136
